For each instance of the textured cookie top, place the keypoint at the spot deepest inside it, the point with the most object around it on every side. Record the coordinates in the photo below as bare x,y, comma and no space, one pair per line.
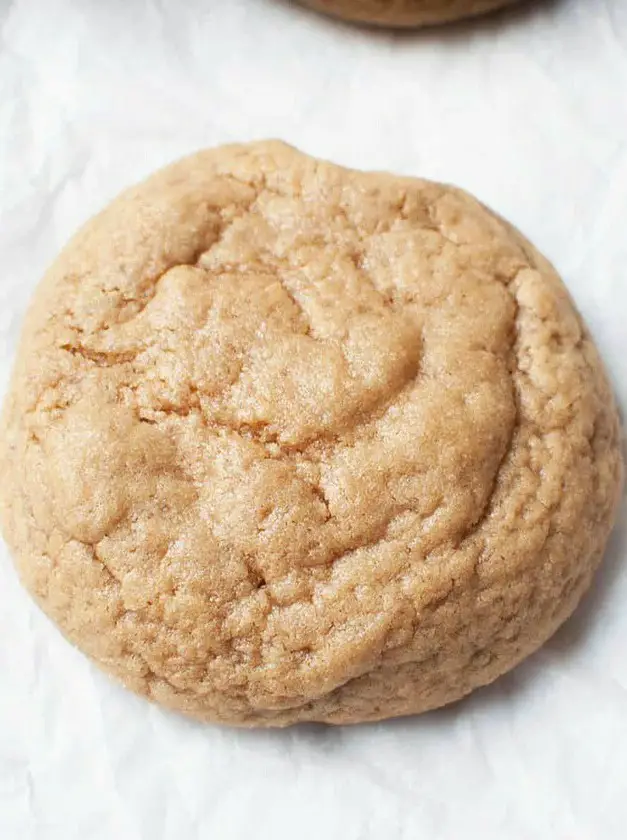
276,425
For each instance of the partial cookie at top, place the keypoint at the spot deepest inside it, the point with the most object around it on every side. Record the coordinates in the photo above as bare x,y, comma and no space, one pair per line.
290,442
405,13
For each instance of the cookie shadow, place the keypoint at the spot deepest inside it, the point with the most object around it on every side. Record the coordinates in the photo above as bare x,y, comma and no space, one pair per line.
491,23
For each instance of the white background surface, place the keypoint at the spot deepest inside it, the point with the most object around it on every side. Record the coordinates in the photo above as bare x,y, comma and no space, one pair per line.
529,111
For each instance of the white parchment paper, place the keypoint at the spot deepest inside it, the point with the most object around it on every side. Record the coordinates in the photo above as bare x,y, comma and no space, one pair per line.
529,111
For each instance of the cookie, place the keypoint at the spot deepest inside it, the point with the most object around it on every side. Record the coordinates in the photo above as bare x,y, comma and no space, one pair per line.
288,442
402,13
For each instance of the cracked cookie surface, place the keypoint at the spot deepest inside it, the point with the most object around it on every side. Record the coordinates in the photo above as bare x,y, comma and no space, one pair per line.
290,442
401,13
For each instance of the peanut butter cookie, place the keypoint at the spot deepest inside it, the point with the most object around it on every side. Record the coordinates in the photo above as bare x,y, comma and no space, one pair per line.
404,13
288,442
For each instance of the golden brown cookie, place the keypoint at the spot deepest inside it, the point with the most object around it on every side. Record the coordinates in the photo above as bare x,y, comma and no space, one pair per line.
403,13
289,442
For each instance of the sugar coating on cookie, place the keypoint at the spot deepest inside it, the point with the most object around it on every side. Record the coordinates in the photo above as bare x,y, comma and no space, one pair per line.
288,442
405,13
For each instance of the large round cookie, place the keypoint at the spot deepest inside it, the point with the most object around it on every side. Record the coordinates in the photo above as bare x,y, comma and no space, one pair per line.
289,442
403,13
